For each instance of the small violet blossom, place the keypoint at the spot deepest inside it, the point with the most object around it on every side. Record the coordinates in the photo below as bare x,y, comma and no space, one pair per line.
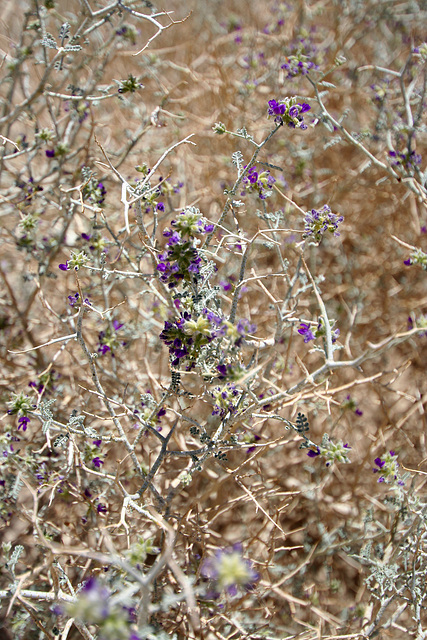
108,339
226,399
229,570
331,451
180,261
351,405
417,257
23,422
418,323
317,223
407,161
303,58
19,405
76,261
304,330
288,111
387,466
259,182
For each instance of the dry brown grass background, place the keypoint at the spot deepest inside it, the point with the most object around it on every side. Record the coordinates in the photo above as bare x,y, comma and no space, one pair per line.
299,522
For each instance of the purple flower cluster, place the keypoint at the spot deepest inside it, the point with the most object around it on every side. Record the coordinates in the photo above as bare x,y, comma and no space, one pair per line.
76,261
351,405
419,323
128,32
317,223
186,336
44,475
94,191
407,161
331,451
241,330
6,449
45,382
289,112
79,109
98,604
108,340
303,58
59,151
258,182
28,190
230,372
387,465
305,330
417,257
74,299
147,414
229,571
190,222
226,399
180,260
20,405
164,190
380,90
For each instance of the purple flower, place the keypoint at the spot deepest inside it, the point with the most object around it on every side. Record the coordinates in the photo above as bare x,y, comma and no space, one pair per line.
259,182
387,465
304,107
97,443
97,462
160,206
64,267
222,369
50,153
417,257
179,261
303,57
380,463
319,222
408,160
226,286
229,570
23,422
276,108
253,448
103,349
288,112
351,405
304,330
117,325
314,454
101,508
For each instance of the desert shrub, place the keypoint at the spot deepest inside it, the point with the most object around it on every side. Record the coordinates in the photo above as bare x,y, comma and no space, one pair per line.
213,319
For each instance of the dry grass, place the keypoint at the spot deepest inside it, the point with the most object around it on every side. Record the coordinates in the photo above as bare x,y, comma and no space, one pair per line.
301,524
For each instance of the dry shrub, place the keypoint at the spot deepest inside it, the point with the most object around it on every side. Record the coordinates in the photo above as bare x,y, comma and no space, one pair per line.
125,481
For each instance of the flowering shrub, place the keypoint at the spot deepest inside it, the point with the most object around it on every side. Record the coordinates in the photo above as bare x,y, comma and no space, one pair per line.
208,366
